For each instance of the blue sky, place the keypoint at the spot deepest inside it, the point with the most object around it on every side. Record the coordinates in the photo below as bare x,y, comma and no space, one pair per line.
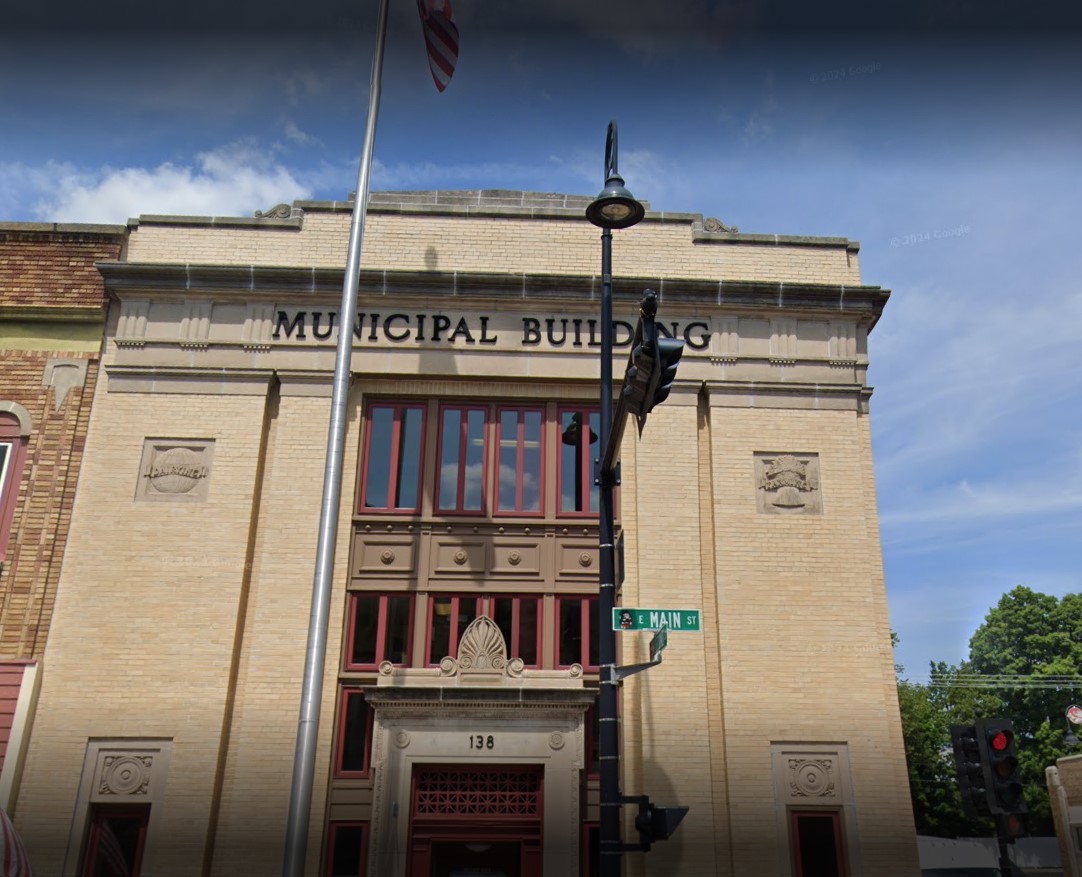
947,142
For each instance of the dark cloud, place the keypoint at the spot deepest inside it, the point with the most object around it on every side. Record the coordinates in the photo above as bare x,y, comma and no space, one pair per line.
623,21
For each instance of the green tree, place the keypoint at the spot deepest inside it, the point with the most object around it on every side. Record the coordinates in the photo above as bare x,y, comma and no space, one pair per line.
1028,635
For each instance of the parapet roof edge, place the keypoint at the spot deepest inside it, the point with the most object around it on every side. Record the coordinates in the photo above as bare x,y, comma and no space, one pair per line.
62,228
296,221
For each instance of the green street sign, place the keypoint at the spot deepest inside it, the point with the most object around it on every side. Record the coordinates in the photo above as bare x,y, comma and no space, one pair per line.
655,619
658,643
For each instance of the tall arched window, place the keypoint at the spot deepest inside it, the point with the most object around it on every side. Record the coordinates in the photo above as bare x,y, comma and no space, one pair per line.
14,431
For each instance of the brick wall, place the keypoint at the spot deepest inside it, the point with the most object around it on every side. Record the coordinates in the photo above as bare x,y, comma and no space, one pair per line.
46,268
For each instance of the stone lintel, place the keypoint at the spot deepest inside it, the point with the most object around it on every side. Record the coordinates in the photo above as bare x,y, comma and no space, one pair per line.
214,382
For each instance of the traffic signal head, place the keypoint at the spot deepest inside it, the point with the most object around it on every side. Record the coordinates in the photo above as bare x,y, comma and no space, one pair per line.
969,764
637,380
1010,826
1004,778
657,823
669,351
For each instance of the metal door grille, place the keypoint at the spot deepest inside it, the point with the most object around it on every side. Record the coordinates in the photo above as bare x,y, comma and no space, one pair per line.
480,791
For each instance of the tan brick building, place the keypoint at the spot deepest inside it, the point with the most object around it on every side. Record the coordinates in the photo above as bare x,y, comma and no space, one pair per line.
52,315
457,721
1064,780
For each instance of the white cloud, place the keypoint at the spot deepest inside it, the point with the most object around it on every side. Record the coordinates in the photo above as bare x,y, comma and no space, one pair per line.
233,180
296,135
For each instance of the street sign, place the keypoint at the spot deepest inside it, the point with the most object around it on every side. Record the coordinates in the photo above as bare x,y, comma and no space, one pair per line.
655,619
1074,714
658,643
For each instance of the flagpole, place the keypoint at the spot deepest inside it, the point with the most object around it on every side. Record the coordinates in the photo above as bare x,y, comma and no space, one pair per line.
304,758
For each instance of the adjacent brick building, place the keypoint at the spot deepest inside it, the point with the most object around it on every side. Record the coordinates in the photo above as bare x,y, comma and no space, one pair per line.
52,314
457,712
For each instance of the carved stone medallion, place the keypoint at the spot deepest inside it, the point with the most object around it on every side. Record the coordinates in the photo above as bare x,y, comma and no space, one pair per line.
787,484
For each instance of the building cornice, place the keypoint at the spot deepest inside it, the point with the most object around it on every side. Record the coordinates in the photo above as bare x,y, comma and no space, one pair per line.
243,281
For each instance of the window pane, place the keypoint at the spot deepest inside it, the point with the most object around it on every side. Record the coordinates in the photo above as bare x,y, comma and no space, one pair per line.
592,451
439,640
365,622
502,609
116,851
817,845
399,619
570,632
381,420
468,610
531,462
475,460
571,436
579,436
508,463
5,456
346,852
593,718
527,631
521,641
591,607
409,460
452,428
355,733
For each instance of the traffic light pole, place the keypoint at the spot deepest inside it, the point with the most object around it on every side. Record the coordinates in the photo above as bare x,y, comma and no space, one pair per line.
611,848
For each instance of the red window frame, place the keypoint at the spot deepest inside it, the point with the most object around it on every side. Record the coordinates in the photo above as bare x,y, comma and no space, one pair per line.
94,846
515,645
592,741
520,442
453,632
10,475
393,467
463,453
794,831
340,749
381,628
589,611
586,473
332,836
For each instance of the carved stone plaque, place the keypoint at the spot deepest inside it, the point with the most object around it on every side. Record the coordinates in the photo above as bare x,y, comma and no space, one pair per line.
175,470
787,484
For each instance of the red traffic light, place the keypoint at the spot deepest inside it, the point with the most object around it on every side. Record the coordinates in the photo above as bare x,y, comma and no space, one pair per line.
1001,740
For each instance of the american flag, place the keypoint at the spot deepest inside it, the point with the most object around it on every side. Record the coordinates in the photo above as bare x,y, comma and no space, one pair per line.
441,39
13,859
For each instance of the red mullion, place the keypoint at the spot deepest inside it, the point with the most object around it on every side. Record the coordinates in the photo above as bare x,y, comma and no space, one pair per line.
381,629
585,621
341,735
516,620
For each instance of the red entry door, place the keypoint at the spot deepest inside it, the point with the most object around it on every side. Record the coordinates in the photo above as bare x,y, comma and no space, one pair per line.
481,821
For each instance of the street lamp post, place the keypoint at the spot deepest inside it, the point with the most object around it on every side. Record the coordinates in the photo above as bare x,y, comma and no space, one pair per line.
614,207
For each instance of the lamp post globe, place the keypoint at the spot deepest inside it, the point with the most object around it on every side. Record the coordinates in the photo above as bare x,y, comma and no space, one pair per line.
615,206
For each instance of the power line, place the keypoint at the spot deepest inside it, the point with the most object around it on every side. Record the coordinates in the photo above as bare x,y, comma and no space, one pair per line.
1005,680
